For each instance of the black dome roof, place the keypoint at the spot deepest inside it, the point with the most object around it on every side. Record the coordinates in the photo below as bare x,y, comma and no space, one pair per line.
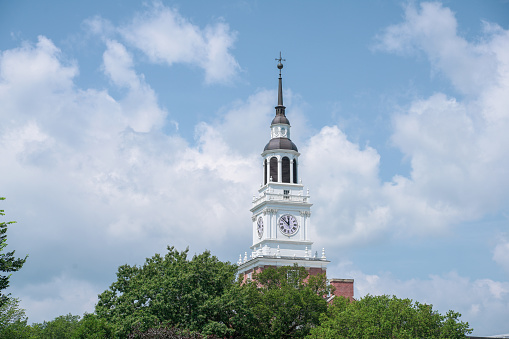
280,119
280,143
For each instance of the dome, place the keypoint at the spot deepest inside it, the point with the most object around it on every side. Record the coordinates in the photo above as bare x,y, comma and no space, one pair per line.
280,143
280,119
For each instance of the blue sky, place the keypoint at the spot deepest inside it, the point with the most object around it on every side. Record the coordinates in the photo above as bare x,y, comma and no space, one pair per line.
129,126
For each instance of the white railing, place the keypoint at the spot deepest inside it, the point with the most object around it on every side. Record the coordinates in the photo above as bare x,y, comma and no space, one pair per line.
267,196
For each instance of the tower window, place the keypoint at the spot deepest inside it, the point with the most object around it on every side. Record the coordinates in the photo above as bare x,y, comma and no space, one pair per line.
265,171
286,169
273,169
294,171
286,194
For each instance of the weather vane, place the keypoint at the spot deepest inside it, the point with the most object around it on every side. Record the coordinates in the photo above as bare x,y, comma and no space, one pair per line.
280,64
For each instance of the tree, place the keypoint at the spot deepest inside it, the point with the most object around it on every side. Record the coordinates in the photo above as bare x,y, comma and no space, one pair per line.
287,304
13,321
170,290
386,317
61,327
167,333
8,263
91,326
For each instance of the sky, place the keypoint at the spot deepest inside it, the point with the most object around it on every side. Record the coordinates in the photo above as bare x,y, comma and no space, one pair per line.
129,126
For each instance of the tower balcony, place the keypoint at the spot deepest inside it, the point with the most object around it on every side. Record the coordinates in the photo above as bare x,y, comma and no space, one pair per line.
281,196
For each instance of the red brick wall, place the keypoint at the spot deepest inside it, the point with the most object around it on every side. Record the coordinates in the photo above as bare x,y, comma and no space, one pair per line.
344,287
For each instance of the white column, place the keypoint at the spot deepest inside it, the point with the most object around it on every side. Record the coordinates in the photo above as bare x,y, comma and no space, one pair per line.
263,172
268,169
303,233
291,170
273,225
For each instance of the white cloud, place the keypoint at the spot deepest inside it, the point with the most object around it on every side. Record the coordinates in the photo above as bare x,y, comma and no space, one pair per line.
484,303
61,296
27,67
501,254
95,177
459,161
345,188
432,28
167,37
456,148
140,104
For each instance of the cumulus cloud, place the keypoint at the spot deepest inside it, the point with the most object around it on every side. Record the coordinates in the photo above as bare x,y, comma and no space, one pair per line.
95,176
456,148
165,36
432,29
457,151
60,296
484,303
345,187
501,254
140,104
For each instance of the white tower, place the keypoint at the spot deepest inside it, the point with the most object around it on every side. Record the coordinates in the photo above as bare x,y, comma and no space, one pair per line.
281,209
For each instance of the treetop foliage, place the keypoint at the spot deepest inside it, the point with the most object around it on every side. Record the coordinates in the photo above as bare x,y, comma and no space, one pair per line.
205,295
171,290
286,304
8,263
174,296
387,317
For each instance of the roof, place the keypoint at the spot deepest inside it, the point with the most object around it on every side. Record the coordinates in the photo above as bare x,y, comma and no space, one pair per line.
280,119
280,143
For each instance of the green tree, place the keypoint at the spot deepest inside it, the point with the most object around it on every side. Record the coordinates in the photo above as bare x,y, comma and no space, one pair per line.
62,327
287,304
170,290
92,327
167,333
387,317
13,321
8,263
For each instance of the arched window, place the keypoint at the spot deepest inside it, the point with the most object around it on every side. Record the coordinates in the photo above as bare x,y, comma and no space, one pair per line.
273,169
286,169
265,171
295,171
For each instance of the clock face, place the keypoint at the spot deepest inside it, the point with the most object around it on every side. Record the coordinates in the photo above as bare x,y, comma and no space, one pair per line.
260,227
288,224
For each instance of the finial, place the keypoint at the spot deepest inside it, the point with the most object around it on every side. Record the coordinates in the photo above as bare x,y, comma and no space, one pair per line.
280,109
280,64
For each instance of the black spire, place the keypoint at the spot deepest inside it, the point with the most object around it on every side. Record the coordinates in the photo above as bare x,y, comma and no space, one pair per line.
280,109
280,142
280,88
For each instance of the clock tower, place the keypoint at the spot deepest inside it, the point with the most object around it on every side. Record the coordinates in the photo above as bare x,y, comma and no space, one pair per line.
281,210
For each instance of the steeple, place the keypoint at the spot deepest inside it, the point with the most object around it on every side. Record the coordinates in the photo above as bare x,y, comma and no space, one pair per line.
280,126
280,109
281,211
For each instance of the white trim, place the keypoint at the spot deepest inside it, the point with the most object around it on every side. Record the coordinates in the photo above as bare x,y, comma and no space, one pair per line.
283,261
